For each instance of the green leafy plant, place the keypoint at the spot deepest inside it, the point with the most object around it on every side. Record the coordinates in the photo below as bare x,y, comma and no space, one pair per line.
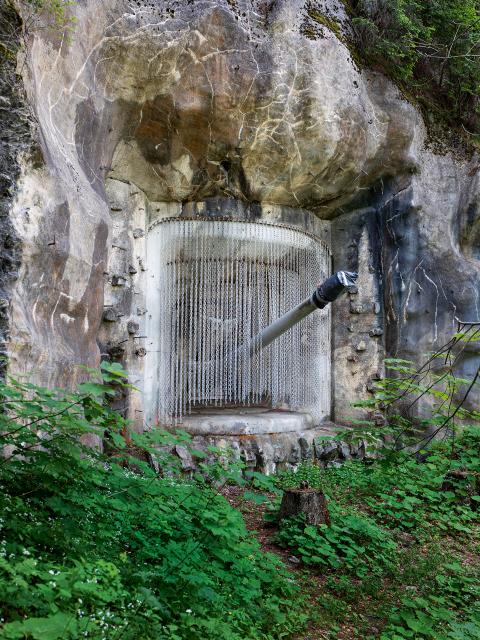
430,49
57,15
353,542
435,616
422,403
102,546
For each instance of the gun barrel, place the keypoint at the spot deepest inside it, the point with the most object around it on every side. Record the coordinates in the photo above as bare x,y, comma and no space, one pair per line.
325,293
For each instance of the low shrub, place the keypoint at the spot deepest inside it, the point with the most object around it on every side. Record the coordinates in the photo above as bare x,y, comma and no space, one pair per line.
404,541
97,546
353,542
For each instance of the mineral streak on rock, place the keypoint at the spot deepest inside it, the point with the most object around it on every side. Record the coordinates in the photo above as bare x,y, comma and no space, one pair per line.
151,105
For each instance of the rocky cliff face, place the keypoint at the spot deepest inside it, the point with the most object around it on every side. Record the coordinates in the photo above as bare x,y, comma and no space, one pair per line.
15,143
246,100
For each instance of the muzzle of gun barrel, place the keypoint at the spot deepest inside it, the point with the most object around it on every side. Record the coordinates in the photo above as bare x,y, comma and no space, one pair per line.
333,287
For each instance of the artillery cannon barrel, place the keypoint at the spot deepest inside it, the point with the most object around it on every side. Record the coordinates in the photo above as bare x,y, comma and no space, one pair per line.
326,292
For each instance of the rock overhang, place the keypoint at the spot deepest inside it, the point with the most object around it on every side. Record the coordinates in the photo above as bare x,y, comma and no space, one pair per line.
199,108
191,102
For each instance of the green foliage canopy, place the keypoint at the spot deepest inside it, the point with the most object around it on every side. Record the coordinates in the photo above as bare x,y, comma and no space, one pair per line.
431,49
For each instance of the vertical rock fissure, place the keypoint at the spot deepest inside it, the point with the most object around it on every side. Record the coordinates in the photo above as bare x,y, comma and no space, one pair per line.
15,138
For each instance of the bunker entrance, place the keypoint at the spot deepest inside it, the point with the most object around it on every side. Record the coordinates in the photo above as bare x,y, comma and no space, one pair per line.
212,286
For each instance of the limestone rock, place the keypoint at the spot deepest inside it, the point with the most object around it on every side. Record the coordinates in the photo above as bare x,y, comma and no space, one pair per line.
185,457
110,315
132,327
188,102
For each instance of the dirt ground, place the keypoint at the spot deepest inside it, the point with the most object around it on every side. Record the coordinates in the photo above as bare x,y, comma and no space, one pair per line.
312,581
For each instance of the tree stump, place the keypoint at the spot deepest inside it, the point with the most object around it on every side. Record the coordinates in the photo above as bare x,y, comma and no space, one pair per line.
471,485
311,502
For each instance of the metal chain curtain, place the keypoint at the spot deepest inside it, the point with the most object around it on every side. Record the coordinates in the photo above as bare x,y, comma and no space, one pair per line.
212,285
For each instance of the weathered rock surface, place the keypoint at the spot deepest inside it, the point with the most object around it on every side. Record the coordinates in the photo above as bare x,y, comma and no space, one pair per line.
182,102
15,143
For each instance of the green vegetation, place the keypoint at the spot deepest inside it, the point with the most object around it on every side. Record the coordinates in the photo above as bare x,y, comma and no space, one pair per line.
326,21
100,546
353,542
56,13
403,545
122,544
431,49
